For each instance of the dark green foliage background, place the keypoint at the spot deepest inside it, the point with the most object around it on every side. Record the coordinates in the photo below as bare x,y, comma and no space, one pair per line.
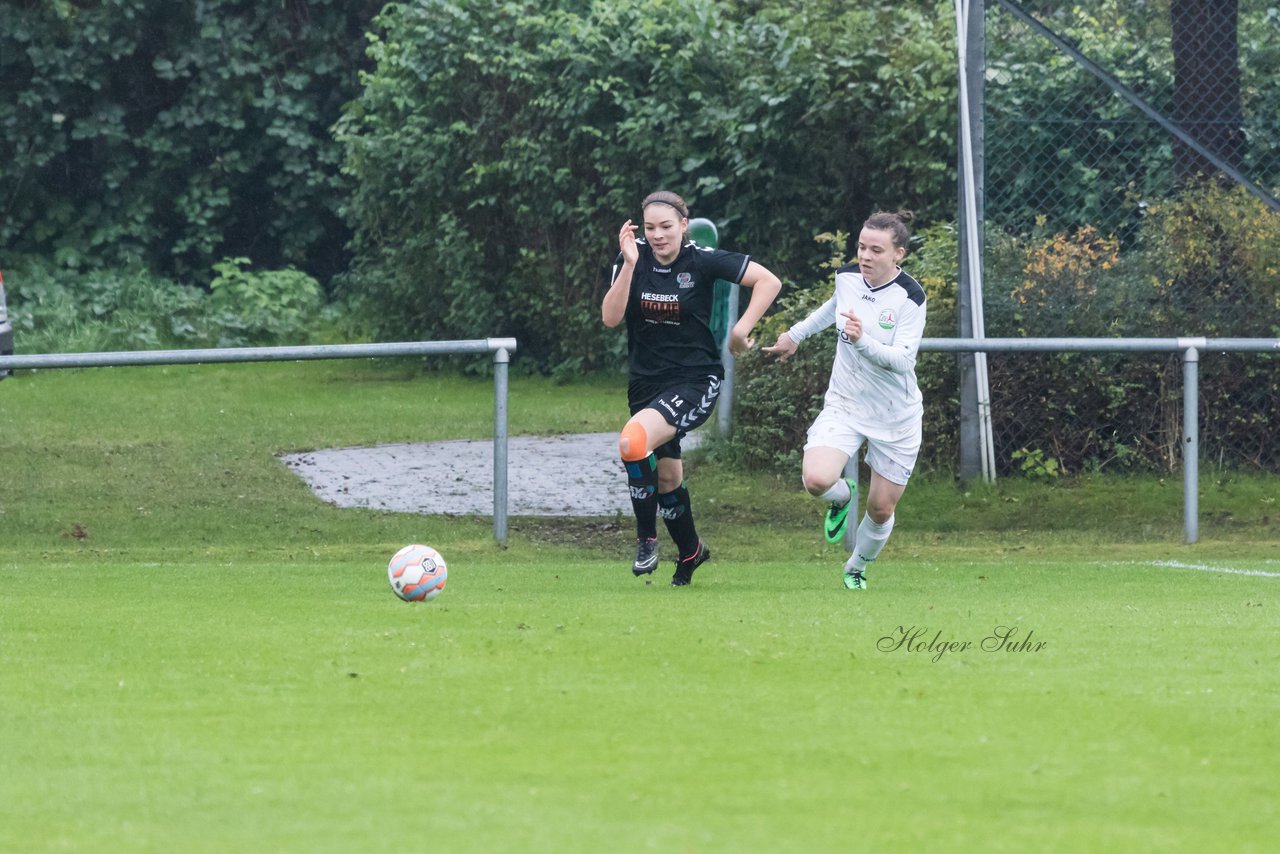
172,135
450,169
498,147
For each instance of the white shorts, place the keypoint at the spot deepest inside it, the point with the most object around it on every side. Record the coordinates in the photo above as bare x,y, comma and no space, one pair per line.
893,459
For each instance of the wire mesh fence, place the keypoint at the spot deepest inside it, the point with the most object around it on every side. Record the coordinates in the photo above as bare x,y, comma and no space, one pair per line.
1077,413
1106,219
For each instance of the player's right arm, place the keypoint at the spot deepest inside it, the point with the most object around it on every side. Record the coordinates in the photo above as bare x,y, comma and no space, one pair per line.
900,356
787,343
614,307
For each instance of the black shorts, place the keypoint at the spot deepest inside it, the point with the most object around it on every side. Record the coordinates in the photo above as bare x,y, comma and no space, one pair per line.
685,404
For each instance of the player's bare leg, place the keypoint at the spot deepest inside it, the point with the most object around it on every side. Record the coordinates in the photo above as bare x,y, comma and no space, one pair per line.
823,470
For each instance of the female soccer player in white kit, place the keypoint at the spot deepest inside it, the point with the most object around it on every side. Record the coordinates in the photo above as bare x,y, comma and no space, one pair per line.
878,311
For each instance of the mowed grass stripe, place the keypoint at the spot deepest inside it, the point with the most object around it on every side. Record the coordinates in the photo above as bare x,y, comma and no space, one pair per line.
570,707
197,655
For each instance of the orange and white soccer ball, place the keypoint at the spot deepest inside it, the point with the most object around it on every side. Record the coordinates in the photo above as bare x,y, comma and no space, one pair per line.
417,573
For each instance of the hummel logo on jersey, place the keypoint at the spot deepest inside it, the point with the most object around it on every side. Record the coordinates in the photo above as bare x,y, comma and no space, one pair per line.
662,269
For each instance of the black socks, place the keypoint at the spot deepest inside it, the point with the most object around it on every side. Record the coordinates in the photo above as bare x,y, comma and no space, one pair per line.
642,480
678,514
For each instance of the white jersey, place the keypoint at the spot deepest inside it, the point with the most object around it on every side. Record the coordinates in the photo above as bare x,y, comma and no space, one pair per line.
875,376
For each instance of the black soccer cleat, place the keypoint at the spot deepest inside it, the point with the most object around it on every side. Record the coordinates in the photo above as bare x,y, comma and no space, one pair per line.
646,556
686,565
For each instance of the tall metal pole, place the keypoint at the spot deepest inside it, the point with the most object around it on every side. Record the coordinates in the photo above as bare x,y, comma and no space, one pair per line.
972,77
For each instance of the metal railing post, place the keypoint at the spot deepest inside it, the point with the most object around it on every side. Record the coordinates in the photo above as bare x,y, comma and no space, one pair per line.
1191,440
501,358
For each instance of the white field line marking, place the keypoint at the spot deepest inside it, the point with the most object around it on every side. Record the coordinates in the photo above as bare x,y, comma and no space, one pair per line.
1174,564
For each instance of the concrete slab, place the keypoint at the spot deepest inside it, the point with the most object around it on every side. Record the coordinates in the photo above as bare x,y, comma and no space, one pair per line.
573,475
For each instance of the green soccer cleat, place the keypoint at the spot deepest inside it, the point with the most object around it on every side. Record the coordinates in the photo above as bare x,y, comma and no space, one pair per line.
837,521
855,580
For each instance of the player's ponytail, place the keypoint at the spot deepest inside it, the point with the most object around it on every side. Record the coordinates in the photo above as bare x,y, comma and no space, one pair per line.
894,222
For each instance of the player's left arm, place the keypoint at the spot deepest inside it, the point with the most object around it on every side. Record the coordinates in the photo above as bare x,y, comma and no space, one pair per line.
765,287
900,356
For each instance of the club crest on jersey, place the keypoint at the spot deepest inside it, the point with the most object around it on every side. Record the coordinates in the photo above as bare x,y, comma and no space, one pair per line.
887,320
685,279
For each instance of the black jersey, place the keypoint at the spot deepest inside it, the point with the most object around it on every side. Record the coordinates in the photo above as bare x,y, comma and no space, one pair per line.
669,309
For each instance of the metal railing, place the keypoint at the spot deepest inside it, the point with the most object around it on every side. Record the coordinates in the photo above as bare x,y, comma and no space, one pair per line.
501,348
1191,348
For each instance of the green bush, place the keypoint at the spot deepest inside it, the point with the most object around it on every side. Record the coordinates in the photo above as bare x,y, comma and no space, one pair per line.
498,146
1199,260
263,307
54,310
1210,265
1201,263
774,404
1060,145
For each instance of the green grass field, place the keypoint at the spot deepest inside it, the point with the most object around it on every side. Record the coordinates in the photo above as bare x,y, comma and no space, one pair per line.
197,655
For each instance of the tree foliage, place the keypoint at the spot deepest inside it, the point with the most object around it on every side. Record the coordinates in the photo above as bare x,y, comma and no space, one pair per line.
175,134
1060,144
498,146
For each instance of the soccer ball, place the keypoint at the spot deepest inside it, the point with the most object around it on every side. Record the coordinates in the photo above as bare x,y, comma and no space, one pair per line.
417,573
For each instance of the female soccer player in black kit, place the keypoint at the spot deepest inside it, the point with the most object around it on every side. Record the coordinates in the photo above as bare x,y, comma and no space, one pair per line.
664,287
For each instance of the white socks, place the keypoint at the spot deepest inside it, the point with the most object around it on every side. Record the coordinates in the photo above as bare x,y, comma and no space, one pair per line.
870,540
838,493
